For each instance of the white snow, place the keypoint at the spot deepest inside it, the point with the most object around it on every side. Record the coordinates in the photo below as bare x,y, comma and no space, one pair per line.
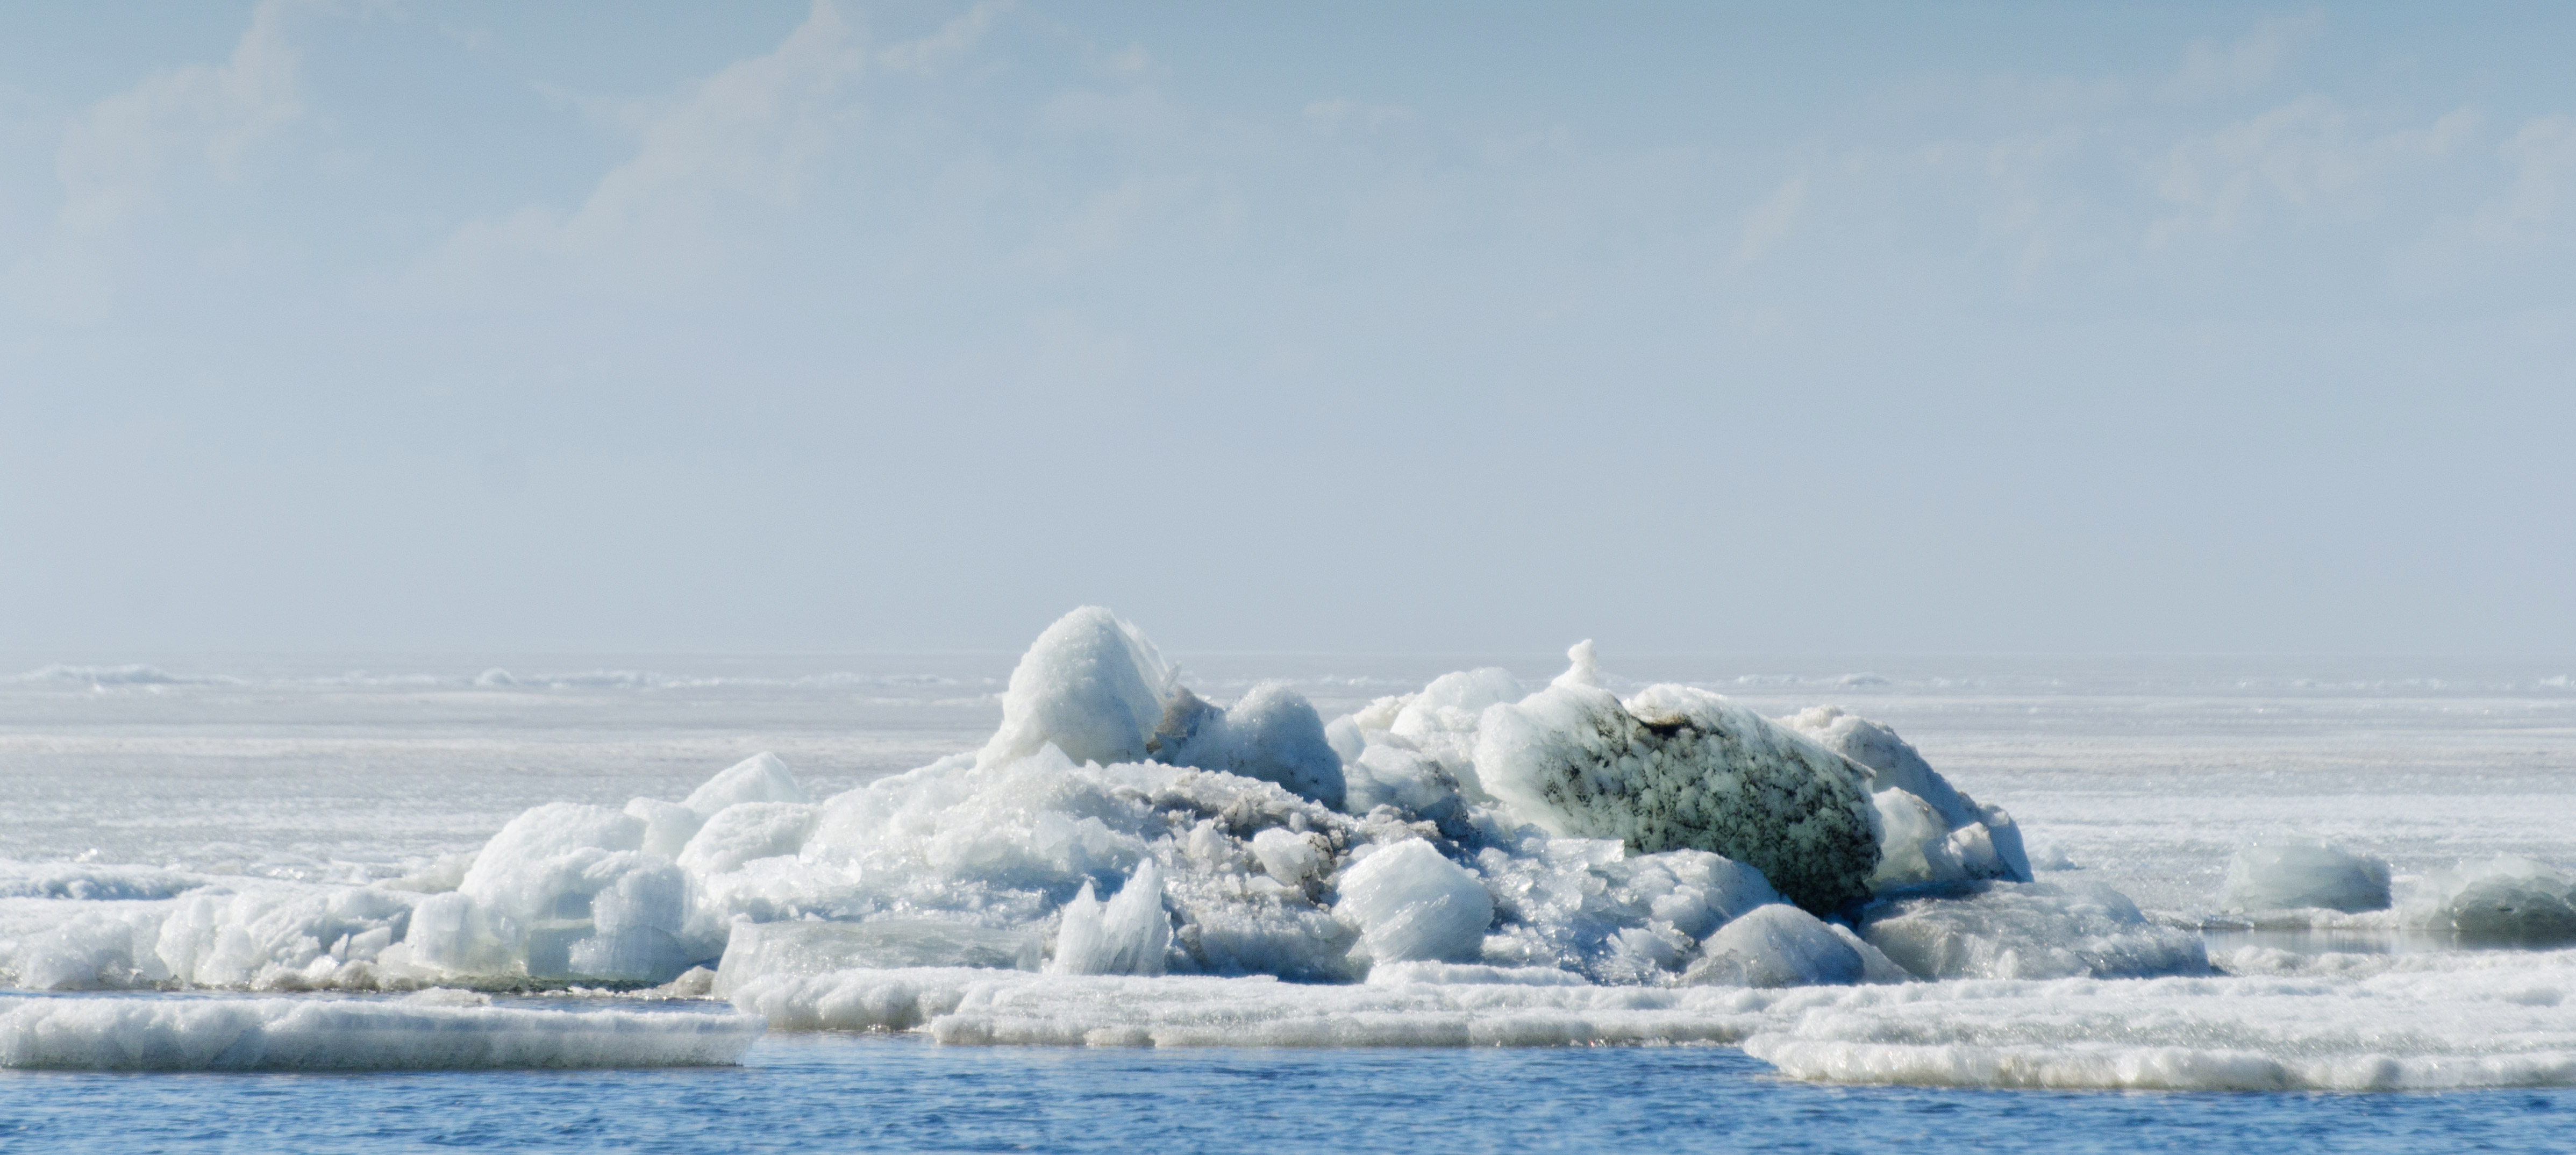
1091,686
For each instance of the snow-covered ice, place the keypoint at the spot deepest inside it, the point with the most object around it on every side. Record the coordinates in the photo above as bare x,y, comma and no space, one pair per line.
1129,854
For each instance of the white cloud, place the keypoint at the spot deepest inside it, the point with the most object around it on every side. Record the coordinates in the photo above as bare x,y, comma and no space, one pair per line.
118,158
743,138
2307,157
1772,221
2251,61
2542,197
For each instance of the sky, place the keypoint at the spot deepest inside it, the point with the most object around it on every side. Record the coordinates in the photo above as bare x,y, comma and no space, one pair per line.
788,327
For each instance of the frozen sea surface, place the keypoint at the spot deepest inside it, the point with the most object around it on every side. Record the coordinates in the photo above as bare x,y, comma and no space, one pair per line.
843,1092
2143,775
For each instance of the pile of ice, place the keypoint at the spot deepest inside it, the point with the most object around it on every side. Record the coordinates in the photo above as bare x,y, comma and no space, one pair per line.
434,1029
1119,824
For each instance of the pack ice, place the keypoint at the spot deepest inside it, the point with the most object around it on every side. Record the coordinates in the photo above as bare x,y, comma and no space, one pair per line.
1127,861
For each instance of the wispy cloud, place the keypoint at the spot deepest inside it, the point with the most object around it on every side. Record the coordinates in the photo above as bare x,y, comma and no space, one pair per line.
119,158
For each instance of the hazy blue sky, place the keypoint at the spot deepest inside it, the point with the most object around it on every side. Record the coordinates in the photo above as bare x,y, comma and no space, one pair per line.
1319,326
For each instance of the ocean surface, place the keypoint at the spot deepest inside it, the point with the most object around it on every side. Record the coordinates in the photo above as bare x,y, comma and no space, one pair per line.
2145,775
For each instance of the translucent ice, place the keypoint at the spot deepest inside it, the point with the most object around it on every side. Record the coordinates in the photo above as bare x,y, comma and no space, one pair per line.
2508,900
110,1033
1775,946
2029,930
799,948
1128,935
1410,903
2283,873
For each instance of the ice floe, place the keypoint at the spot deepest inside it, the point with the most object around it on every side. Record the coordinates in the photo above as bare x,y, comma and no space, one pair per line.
430,1030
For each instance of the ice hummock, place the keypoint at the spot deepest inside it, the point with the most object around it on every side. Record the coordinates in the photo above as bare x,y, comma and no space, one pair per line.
2287,873
2509,900
1121,834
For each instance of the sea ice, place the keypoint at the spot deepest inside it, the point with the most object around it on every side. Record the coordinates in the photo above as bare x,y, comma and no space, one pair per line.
2509,900
1775,946
2284,873
1091,686
802,947
1411,904
1930,832
2007,930
127,1033
1676,767
1128,935
1272,734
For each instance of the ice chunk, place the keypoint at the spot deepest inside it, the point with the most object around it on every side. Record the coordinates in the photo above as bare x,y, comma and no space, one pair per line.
668,826
1127,935
1441,722
633,927
93,950
1573,903
748,830
2505,901
2279,874
1272,734
1677,767
766,949
759,778
1962,840
529,903
1410,903
128,1033
1091,685
1409,781
1775,946
272,936
1287,856
2030,930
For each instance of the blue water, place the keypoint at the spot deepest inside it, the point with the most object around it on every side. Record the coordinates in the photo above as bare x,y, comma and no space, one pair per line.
838,1092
